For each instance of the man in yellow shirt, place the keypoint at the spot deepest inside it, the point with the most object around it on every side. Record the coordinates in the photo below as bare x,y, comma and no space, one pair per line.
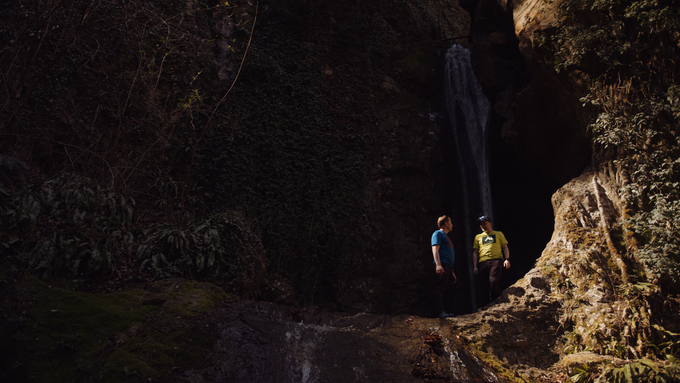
490,255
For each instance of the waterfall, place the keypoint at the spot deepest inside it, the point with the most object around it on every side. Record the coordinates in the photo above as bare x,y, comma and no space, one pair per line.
468,111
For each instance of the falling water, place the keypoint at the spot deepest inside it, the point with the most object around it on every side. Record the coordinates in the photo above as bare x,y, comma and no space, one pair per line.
468,111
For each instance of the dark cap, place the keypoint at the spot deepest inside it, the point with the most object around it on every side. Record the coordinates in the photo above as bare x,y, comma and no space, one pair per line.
484,218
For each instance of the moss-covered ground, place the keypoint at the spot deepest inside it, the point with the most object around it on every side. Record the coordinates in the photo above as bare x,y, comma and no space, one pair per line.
149,333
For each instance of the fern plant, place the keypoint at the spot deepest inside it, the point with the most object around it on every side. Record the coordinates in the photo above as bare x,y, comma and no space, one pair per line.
68,223
643,370
218,248
71,226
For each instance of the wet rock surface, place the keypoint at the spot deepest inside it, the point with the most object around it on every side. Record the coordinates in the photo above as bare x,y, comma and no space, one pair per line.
264,342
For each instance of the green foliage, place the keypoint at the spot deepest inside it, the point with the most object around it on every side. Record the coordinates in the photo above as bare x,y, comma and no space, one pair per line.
643,370
667,342
220,249
106,89
626,53
634,332
141,96
70,225
581,374
610,36
118,93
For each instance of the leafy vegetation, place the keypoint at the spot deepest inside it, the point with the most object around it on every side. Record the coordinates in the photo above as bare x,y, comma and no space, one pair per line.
104,103
119,94
71,226
643,370
626,54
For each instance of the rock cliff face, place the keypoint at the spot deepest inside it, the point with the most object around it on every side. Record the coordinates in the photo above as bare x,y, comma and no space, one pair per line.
539,110
334,140
569,296
316,122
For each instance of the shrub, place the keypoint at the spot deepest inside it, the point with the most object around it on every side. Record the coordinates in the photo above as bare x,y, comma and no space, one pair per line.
70,226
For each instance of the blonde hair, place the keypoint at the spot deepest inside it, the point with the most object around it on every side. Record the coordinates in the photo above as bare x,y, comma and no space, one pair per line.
442,220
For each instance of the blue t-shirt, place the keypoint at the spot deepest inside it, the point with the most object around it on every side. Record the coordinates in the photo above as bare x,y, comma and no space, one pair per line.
446,254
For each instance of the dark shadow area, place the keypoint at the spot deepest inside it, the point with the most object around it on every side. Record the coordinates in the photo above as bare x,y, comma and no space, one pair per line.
523,211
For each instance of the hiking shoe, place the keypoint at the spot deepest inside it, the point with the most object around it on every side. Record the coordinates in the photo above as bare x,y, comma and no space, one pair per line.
445,315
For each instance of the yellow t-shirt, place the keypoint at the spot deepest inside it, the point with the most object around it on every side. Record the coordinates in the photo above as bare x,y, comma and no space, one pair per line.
489,246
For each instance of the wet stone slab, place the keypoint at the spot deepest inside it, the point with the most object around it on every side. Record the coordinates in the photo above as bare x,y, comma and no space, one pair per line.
264,342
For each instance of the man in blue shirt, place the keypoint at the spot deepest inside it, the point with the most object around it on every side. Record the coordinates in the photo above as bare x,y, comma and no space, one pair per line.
442,251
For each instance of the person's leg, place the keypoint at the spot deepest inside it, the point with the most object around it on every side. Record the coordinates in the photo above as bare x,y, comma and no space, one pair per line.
483,269
495,272
440,288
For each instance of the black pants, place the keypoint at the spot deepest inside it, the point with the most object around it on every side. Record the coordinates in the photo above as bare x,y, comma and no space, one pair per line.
441,286
489,273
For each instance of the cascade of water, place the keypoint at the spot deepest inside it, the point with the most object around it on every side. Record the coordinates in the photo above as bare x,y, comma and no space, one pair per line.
465,364
302,340
468,111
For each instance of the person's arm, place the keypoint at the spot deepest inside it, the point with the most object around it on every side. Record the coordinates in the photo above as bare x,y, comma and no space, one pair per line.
506,256
475,258
435,253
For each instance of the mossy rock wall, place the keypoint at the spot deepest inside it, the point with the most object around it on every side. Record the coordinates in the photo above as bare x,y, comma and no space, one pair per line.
316,123
329,142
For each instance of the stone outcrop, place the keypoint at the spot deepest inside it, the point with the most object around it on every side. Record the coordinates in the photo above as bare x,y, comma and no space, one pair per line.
583,262
570,293
265,342
586,292
520,328
530,16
